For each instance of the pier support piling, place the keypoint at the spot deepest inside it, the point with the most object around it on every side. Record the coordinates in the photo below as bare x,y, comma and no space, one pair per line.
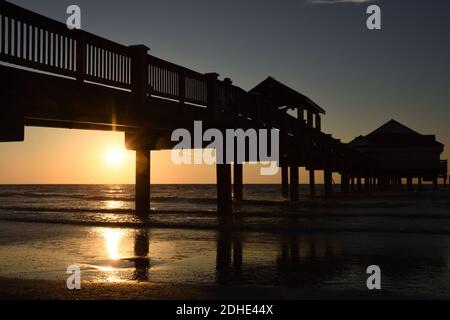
142,188
435,183
345,183
294,180
224,200
312,183
285,182
328,181
237,182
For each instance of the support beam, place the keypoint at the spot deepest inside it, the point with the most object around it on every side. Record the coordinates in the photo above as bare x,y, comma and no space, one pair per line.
294,180
312,182
142,188
224,201
285,181
419,183
237,182
328,181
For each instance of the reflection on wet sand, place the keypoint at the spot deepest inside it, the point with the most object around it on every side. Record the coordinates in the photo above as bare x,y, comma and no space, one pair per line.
226,257
308,260
300,261
141,252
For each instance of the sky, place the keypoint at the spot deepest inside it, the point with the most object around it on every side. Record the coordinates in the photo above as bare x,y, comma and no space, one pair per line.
321,48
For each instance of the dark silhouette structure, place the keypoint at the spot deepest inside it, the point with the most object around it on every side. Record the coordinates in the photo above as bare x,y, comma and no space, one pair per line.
55,77
401,152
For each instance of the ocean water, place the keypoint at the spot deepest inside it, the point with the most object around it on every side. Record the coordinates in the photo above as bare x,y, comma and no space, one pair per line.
193,206
315,243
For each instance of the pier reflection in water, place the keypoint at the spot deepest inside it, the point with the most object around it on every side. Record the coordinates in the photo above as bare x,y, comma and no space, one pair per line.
141,252
298,261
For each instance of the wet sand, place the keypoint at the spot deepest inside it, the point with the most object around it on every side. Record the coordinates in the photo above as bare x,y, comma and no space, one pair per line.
193,264
19,289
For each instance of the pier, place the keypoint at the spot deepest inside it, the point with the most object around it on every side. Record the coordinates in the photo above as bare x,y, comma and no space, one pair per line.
51,76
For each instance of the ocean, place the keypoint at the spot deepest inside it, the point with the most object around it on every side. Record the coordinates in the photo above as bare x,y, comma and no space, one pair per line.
314,244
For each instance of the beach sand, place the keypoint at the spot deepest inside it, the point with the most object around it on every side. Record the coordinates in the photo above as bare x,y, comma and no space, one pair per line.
20,289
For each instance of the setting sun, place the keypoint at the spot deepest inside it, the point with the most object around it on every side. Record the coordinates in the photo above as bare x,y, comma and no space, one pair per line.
115,157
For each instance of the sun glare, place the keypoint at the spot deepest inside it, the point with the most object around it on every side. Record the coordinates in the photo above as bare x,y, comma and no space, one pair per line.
115,157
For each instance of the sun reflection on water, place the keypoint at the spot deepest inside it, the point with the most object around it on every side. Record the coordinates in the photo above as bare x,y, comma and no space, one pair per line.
113,204
113,238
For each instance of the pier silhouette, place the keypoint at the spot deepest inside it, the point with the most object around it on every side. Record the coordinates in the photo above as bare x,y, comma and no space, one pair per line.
51,76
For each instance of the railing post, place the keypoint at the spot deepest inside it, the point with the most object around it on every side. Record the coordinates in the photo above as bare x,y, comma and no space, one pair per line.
212,94
139,70
182,87
81,56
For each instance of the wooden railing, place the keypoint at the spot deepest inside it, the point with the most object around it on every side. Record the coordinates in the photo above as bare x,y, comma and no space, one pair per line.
31,40
104,61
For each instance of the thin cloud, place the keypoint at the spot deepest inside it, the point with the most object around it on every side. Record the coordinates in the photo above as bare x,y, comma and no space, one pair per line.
339,1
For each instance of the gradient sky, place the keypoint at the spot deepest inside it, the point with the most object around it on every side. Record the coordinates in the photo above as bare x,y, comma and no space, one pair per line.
361,78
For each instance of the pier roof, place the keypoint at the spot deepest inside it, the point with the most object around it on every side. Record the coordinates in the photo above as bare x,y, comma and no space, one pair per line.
282,96
395,134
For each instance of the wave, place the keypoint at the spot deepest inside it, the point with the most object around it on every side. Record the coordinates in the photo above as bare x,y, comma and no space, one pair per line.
238,213
266,228
306,202
108,197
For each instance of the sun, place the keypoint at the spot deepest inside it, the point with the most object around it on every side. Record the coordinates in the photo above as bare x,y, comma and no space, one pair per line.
114,157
